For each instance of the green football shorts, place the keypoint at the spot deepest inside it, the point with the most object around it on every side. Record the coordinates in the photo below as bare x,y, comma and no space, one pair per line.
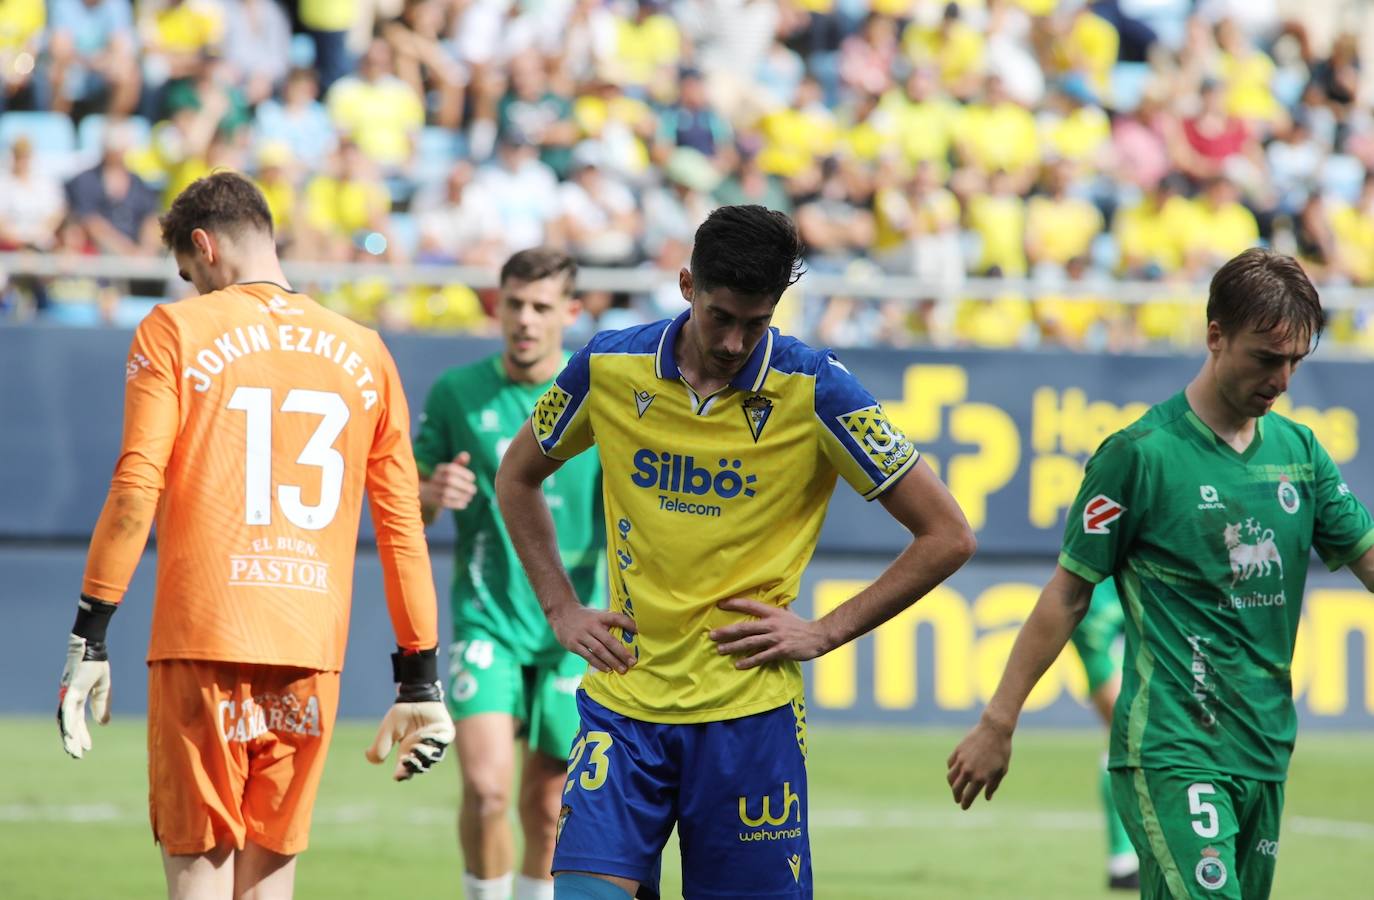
1200,835
1098,636
486,677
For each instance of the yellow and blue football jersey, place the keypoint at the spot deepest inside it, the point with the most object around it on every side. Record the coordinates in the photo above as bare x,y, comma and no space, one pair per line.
709,498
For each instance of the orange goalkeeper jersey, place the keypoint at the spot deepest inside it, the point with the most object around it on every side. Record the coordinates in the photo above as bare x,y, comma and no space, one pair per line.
253,420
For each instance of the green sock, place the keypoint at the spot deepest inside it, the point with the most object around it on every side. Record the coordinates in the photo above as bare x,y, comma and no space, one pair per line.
1118,842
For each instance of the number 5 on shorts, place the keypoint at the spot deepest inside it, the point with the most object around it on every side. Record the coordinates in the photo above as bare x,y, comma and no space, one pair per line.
1209,826
598,764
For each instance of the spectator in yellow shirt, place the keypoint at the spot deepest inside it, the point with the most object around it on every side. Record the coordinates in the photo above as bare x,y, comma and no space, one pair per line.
999,133
647,46
343,206
378,111
1074,128
1220,228
795,138
1353,227
1059,227
1147,232
1089,46
998,217
177,38
274,180
1247,73
955,49
21,34
922,119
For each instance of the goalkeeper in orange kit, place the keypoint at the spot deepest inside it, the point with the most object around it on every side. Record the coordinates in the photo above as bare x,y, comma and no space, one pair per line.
254,419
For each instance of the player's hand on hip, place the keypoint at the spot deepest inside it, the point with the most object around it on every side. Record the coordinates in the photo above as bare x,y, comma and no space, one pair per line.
979,763
587,632
417,722
452,485
774,633
85,676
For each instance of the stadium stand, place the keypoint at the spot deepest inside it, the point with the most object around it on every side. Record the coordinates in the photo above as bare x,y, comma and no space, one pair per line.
939,142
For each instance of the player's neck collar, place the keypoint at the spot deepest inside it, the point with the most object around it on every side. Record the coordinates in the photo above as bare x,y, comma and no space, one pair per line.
280,287
749,378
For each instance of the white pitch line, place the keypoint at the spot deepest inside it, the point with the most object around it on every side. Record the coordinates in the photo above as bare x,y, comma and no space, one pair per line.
821,819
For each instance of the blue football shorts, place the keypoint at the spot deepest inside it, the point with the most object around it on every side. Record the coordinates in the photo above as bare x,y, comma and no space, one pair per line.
736,789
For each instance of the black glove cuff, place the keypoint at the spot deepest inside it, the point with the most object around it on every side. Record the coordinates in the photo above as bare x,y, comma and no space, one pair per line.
95,652
417,675
92,619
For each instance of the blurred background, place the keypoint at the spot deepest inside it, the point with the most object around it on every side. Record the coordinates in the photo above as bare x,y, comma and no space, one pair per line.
1010,210
959,170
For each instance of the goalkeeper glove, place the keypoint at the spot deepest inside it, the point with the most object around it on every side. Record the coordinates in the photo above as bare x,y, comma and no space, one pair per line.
418,720
85,675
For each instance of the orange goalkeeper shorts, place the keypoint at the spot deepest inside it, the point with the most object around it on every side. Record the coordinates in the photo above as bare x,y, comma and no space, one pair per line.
235,753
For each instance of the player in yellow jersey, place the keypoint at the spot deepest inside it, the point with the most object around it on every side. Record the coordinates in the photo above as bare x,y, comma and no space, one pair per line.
720,442
253,421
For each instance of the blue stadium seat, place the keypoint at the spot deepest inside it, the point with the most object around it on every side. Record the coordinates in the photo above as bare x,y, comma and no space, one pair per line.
1169,18
1342,177
85,315
1104,253
405,231
436,152
130,310
1129,80
50,133
302,53
91,132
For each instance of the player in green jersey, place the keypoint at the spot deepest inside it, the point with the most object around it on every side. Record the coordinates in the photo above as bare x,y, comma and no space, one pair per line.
509,675
1205,512
1097,639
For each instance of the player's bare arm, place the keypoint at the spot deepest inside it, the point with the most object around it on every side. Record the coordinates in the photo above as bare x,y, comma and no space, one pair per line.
980,761
1363,567
941,542
450,486
519,493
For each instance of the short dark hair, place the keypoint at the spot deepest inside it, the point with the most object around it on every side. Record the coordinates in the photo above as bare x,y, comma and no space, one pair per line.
1263,291
223,202
748,249
538,263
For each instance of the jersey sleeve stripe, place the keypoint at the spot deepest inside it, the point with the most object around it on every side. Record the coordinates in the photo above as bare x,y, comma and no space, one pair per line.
1359,550
880,489
1081,569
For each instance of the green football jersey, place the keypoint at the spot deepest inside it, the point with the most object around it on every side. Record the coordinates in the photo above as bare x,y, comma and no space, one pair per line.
479,409
1209,548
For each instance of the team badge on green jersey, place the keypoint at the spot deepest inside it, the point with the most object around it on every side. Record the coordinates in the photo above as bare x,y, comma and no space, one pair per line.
548,410
757,409
1211,871
1289,498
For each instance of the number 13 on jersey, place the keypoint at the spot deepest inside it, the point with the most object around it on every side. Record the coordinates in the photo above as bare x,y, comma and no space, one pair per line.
257,404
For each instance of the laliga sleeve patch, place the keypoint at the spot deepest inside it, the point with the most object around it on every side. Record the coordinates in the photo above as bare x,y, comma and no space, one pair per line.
548,411
1100,512
881,441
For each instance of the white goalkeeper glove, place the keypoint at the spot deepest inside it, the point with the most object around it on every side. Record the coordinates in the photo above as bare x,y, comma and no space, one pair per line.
86,675
418,721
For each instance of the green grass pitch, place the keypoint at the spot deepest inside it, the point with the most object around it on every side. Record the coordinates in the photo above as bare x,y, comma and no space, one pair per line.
882,823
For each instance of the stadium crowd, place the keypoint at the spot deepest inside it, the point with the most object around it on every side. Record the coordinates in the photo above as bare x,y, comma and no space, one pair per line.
1069,143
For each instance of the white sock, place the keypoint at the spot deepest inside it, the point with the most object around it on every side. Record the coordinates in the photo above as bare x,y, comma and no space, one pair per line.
527,888
497,888
1122,864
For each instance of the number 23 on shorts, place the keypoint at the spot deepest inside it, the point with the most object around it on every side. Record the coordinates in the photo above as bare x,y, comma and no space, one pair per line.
595,745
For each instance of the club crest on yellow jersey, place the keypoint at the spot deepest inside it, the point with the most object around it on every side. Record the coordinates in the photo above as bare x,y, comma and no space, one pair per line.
757,409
